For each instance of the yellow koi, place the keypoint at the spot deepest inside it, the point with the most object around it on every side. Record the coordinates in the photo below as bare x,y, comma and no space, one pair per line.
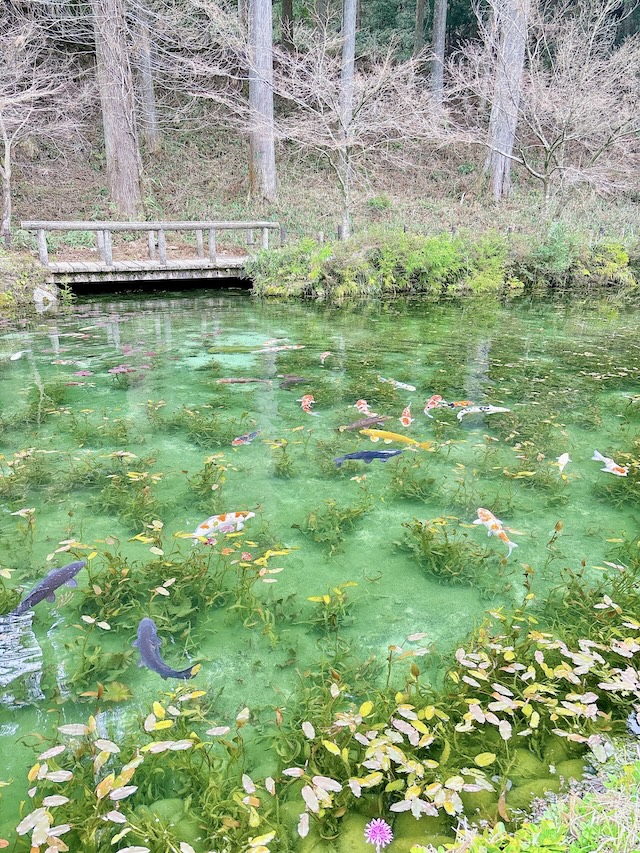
388,437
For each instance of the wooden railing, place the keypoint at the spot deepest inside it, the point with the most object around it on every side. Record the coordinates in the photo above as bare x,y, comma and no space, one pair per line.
156,235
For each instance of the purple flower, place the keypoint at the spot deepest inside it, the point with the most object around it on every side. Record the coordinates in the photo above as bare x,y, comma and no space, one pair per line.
378,832
121,368
83,373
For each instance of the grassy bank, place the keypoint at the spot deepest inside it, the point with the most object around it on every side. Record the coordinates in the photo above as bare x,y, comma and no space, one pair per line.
390,262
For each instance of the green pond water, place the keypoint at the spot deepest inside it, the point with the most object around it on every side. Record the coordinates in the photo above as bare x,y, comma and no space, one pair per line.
568,373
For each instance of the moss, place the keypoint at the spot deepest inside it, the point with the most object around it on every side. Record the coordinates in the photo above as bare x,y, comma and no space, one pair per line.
526,766
19,275
521,797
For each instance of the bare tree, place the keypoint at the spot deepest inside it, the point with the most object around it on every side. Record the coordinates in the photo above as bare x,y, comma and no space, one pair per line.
263,158
115,84
347,74
418,32
37,99
142,57
512,17
578,111
389,109
437,46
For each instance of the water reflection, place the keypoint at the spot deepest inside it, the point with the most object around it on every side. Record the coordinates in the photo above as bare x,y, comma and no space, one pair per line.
20,661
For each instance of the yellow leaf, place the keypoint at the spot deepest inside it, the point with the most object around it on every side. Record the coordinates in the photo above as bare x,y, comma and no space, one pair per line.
162,724
331,747
92,555
326,599
365,709
158,710
103,788
485,759
315,598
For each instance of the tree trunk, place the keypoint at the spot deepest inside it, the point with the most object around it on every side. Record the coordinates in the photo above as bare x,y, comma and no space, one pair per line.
113,75
437,45
418,34
146,93
262,170
5,228
346,105
322,14
286,34
512,20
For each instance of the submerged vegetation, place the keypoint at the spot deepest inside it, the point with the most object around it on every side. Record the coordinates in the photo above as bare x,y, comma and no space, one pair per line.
326,692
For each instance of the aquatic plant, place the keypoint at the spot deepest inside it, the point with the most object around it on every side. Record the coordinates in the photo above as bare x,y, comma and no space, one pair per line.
207,483
130,497
449,554
283,465
409,480
328,524
333,607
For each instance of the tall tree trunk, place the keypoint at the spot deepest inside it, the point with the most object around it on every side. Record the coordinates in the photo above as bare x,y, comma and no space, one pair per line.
438,39
512,20
5,174
286,32
262,170
113,75
322,14
418,33
146,94
349,17
243,12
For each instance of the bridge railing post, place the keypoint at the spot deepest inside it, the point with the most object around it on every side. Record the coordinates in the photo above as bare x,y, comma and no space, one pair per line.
151,239
42,247
265,238
212,245
108,248
200,242
162,247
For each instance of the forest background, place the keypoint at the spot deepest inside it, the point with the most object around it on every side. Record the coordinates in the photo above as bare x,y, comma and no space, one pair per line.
327,116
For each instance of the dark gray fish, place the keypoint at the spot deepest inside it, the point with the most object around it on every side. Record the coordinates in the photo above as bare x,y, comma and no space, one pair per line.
289,379
47,587
365,422
367,456
148,644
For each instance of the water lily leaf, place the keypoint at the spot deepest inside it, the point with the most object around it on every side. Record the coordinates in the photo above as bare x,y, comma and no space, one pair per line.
484,759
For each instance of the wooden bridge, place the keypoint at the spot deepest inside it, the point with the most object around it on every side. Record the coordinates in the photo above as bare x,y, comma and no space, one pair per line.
98,258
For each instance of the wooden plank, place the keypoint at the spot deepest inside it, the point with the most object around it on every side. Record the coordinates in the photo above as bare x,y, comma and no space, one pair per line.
162,247
151,238
100,225
42,247
200,242
212,245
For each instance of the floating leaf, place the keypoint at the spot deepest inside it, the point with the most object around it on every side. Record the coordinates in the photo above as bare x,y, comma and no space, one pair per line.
331,747
121,793
74,729
485,759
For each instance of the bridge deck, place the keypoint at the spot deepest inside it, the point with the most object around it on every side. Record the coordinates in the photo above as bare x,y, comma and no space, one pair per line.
178,269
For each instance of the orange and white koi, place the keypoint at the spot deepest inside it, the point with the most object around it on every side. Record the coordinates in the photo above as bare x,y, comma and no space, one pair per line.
495,527
363,407
306,401
282,348
610,466
456,404
227,522
324,356
400,386
432,403
405,418
563,461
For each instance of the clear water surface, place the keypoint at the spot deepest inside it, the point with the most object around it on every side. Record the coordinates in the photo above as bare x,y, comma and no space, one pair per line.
112,377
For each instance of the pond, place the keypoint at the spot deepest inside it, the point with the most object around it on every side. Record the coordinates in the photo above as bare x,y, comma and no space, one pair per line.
117,432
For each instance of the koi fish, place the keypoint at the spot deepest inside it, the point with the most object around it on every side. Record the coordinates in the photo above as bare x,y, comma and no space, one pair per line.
306,401
47,587
563,461
388,437
457,404
290,379
241,381
247,438
324,356
365,422
405,418
401,386
367,456
495,527
432,403
482,410
227,522
18,355
610,466
363,407
282,348
148,644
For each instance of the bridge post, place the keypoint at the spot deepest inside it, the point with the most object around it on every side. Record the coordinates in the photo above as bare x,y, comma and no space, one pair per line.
265,238
162,247
108,248
42,247
200,243
212,245
151,239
